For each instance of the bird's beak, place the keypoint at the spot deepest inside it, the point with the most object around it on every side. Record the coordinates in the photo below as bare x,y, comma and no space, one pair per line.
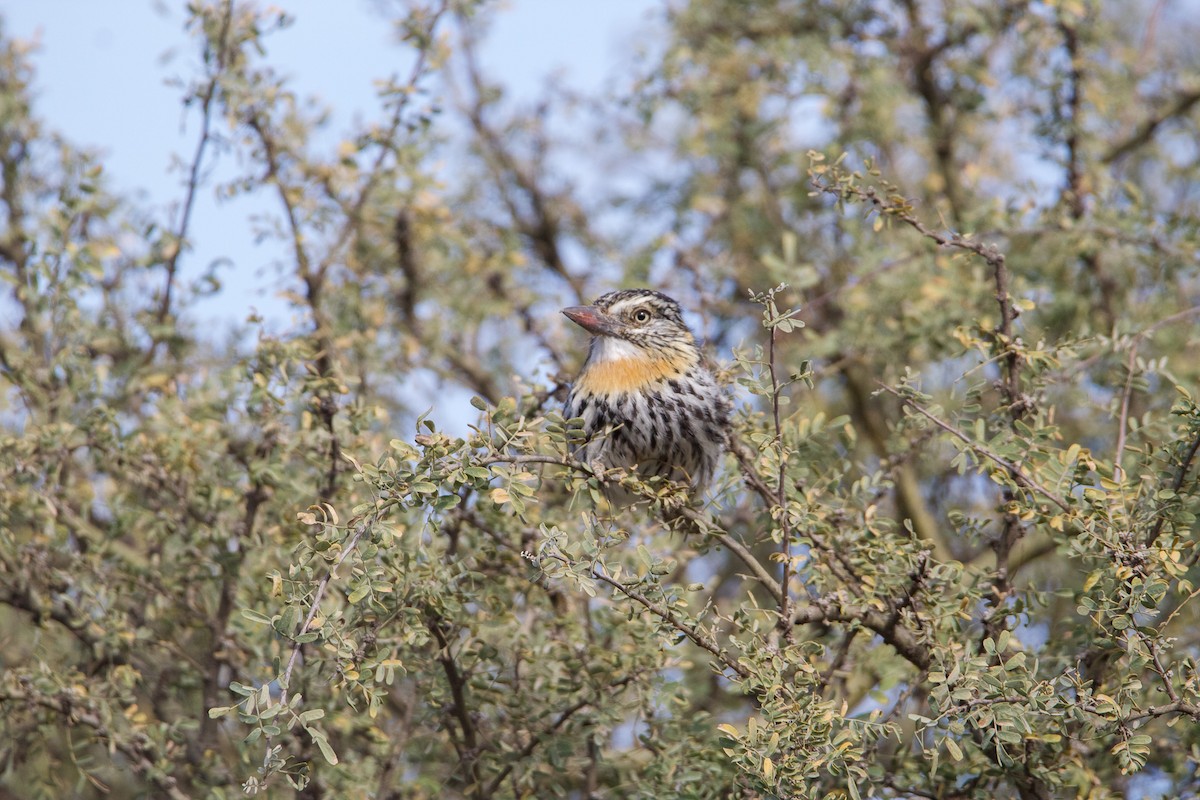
592,320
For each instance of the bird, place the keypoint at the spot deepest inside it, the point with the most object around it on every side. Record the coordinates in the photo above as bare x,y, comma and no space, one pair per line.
648,401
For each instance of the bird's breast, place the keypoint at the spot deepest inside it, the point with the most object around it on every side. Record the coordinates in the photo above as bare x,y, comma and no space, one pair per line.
618,376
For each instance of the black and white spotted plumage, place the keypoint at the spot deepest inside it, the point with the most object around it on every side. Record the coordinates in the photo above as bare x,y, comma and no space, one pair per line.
646,398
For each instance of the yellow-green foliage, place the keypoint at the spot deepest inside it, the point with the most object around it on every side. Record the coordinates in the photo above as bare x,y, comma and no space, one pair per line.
951,554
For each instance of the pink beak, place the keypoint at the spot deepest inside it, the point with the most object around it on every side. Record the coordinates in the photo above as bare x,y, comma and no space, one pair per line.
592,320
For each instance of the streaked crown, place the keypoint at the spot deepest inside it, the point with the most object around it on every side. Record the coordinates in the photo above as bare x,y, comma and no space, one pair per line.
643,317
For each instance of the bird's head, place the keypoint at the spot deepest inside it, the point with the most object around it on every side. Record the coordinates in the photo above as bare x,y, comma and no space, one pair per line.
637,335
644,318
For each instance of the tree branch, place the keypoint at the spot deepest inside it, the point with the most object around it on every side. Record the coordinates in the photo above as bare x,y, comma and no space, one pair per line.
781,502
1184,465
1180,105
549,730
207,96
691,632
1018,475
1127,391
469,753
903,640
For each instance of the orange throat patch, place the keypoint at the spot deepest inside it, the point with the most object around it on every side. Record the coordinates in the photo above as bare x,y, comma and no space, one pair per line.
616,376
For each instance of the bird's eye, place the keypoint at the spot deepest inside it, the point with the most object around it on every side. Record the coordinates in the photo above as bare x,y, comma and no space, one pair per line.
641,315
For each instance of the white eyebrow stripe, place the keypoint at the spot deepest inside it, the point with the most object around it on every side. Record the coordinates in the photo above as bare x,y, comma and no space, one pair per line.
624,305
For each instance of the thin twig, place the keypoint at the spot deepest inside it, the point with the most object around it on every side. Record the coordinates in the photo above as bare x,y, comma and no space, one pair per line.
359,530
1127,392
665,614
1184,466
742,552
1163,674
750,474
207,97
1180,105
1018,475
781,503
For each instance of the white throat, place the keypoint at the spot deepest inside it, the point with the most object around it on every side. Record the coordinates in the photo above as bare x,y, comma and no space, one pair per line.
610,348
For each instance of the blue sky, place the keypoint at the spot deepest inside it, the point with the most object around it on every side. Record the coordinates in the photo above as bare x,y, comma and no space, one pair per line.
103,72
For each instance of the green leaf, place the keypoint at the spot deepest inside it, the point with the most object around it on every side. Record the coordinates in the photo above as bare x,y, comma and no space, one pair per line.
256,616
287,621
318,737
446,501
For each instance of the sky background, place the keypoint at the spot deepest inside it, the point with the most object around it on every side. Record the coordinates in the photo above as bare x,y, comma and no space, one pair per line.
104,73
